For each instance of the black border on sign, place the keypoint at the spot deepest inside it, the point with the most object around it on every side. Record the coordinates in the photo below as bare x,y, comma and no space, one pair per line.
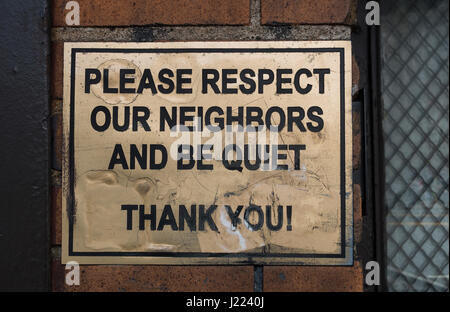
71,199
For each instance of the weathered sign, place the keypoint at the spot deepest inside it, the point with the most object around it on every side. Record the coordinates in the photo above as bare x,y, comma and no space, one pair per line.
208,153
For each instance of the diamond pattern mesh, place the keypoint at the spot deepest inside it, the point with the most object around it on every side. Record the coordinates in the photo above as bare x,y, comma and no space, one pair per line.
415,77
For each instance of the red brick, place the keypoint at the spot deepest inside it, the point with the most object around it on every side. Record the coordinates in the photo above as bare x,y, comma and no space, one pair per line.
151,12
356,119
56,215
57,70
313,278
356,155
355,72
307,11
57,141
156,278
56,106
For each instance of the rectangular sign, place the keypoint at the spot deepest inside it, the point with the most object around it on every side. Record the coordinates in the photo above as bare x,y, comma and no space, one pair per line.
208,153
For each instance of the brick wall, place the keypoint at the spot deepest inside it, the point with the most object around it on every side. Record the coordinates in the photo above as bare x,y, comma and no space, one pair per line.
200,20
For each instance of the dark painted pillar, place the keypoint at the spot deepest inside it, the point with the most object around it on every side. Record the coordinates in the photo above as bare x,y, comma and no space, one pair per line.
24,145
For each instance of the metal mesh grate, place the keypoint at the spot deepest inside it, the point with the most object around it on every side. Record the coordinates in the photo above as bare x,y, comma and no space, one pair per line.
415,76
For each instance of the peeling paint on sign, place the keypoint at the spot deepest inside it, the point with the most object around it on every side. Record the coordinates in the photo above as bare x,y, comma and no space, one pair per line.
152,173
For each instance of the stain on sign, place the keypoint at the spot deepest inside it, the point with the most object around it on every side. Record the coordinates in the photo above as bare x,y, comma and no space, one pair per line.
207,153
